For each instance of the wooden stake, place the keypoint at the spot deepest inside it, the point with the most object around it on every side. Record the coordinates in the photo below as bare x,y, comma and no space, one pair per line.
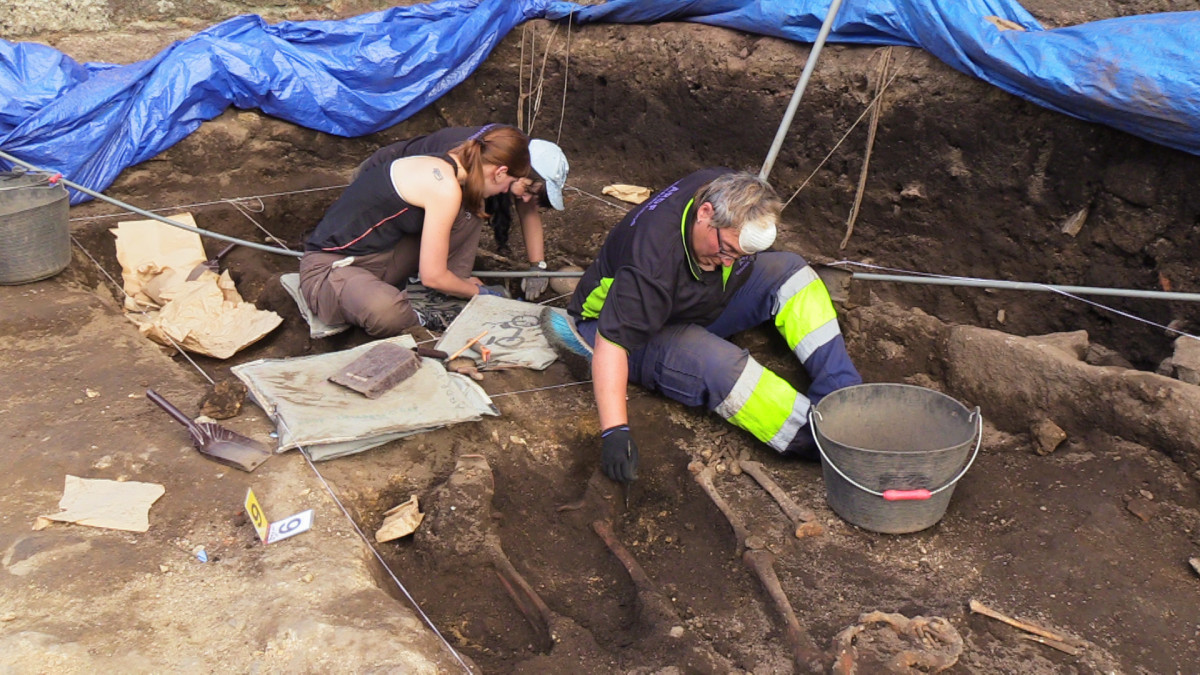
470,343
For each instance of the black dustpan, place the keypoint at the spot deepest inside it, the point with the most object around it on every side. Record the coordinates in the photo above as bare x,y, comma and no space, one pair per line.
215,441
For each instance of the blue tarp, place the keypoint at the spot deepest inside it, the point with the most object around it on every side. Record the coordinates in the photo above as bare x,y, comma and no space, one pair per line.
364,74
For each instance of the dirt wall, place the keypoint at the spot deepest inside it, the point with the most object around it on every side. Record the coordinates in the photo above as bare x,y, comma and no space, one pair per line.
963,178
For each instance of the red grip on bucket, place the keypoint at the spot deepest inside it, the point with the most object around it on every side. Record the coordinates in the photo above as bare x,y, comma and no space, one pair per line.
899,495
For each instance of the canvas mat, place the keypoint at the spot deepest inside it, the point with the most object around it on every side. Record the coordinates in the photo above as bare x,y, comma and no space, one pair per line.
514,335
329,420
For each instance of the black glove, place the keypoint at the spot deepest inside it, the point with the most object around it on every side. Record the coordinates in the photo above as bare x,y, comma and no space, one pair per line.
619,454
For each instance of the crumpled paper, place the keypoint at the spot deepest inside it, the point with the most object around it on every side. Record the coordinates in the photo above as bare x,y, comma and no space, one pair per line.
110,504
400,521
205,315
156,259
634,194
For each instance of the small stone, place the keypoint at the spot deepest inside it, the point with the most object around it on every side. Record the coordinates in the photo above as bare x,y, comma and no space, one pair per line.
91,393
809,529
1047,436
676,631
1073,343
1194,562
13,617
1187,359
1074,223
1000,316
307,578
1147,494
913,190
565,285
78,401
1142,508
164,569
735,469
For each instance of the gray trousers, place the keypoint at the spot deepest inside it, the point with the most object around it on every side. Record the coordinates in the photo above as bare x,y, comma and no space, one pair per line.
366,290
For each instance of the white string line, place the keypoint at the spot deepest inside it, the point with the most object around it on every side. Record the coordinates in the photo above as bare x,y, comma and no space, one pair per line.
521,79
537,102
379,557
527,391
566,78
870,106
624,209
845,263
212,203
245,211
143,312
557,297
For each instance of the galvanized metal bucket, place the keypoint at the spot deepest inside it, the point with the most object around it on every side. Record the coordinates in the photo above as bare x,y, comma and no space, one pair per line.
891,454
35,235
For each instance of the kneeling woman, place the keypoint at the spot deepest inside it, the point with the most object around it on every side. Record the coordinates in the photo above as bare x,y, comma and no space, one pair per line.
414,215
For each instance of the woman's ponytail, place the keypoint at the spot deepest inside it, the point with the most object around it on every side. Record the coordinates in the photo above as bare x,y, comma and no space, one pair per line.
501,145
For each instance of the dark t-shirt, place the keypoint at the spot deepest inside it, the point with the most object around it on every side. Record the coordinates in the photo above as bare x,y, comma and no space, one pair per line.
646,275
369,217
437,143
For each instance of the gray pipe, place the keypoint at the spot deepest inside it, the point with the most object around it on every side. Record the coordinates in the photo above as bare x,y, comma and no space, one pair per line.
155,216
523,274
866,276
809,64
935,281
1025,286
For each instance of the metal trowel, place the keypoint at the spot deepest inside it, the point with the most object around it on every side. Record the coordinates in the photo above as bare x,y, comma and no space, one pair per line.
213,264
215,441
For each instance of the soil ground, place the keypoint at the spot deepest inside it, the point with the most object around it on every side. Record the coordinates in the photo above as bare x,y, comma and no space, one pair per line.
1091,540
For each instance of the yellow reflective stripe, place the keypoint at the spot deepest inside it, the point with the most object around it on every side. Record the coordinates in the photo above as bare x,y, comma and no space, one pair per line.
595,299
767,408
806,311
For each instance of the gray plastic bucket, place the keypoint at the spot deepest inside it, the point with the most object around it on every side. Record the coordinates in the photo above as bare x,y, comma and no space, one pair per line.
35,235
891,454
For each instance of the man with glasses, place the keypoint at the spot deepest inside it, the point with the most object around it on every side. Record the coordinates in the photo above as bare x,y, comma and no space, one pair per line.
679,275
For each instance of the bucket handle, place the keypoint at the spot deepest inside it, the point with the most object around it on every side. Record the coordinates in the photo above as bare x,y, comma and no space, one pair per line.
900,495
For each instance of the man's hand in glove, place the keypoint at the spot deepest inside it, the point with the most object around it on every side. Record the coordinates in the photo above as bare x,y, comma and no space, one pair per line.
534,287
619,454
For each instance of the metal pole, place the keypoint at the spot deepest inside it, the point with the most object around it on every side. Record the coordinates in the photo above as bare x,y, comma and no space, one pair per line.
800,86
1026,286
155,216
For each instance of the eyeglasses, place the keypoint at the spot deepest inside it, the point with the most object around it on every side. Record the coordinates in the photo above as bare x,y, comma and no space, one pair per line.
724,251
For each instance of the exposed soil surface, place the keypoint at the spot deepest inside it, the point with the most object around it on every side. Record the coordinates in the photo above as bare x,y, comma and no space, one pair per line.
1091,540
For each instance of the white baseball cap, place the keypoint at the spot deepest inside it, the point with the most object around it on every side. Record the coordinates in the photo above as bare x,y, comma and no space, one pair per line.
548,160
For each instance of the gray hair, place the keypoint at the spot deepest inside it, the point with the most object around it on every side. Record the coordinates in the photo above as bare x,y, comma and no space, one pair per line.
743,199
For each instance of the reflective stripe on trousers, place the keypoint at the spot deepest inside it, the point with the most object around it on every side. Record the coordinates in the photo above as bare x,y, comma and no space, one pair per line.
764,404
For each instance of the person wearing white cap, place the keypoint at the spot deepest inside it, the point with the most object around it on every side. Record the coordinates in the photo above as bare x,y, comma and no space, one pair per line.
674,280
544,189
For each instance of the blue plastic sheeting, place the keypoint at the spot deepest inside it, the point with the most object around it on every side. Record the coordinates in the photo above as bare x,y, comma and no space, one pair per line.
364,74
350,78
1138,73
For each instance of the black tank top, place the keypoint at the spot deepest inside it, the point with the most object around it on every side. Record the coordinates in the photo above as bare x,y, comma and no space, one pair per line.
369,217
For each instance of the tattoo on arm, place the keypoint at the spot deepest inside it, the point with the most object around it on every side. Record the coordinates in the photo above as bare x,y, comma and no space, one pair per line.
437,173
